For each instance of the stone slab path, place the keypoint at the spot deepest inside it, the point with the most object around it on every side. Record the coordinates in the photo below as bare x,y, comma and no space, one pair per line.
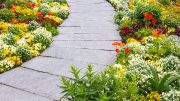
86,38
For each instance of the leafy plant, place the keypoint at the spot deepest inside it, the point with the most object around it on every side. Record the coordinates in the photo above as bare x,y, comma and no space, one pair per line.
142,33
51,28
32,25
161,84
98,87
15,30
6,14
24,53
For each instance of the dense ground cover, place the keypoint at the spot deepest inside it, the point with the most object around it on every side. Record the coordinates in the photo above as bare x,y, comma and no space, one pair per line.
148,58
27,28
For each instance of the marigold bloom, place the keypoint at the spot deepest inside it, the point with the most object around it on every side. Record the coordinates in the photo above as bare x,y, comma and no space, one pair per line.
39,13
13,8
14,21
49,13
118,44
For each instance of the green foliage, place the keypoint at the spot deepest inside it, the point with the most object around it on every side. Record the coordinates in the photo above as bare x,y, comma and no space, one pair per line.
161,48
40,38
24,53
105,86
32,25
62,14
6,14
165,2
51,28
2,1
15,30
9,40
161,84
119,15
143,32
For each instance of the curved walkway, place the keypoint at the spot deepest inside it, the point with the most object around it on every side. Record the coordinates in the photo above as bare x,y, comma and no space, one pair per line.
86,38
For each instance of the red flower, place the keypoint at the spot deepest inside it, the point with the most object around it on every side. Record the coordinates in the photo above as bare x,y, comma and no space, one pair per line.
127,50
154,21
117,50
148,16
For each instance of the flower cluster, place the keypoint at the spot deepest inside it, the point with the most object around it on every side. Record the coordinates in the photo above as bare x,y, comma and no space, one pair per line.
150,52
26,29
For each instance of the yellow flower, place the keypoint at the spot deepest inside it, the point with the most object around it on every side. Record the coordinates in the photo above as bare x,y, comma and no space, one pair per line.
3,27
35,53
64,4
143,39
5,52
132,40
121,72
153,96
54,18
16,60
22,26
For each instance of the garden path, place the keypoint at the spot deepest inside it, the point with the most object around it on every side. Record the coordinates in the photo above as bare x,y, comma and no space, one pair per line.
86,37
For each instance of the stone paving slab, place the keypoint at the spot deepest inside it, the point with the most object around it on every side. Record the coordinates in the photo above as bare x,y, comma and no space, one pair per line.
90,30
89,37
94,45
35,82
85,55
86,1
56,66
12,94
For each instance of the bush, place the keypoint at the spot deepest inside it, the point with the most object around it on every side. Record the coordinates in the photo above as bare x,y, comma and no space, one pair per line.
141,9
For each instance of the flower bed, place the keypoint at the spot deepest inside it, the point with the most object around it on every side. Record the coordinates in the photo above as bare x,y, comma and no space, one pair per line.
27,28
148,58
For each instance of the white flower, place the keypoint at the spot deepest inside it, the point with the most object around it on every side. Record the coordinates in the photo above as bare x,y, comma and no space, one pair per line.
117,66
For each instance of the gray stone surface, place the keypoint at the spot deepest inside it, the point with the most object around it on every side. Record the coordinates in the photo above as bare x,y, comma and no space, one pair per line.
84,55
93,45
86,38
35,82
89,37
58,66
12,94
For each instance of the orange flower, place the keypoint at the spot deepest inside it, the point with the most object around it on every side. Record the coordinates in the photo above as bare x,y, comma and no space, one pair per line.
14,21
31,4
39,13
117,50
49,13
156,32
13,8
118,44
